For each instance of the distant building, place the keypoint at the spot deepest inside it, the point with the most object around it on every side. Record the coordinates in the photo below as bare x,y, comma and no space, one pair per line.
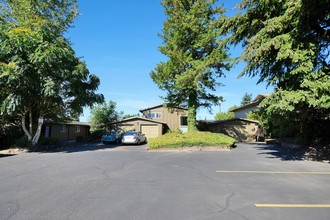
156,121
242,111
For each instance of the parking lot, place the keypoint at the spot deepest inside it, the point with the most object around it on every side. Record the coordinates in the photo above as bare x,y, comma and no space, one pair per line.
95,181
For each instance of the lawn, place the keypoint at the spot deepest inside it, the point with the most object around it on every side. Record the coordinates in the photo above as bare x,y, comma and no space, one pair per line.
191,139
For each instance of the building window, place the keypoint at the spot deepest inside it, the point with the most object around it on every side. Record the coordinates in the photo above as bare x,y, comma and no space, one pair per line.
63,128
77,129
184,121
152,115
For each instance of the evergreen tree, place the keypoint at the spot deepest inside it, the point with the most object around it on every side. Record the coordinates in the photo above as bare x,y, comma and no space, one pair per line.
287,44
247,99
196,57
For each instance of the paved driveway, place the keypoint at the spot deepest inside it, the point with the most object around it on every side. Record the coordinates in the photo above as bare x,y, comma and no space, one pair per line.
127,182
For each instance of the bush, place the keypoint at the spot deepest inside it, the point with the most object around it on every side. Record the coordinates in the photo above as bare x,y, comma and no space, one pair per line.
9,135
80,139
48,141
96,135
23,143
189,139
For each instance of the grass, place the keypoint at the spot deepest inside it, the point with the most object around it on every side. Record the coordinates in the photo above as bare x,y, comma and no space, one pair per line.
190,139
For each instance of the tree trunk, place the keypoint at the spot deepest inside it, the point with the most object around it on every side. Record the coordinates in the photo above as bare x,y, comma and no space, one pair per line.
192,111
31,122
26,131
37,134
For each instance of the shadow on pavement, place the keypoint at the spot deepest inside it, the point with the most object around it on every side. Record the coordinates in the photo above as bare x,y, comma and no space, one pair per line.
74,147
7,155
282,152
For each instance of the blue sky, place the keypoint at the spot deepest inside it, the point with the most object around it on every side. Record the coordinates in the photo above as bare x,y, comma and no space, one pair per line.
119,42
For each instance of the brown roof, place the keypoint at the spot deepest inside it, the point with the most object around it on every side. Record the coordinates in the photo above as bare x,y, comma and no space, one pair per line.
137,118
256,101
157,106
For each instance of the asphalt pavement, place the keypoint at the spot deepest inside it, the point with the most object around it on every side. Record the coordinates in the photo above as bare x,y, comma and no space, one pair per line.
252,181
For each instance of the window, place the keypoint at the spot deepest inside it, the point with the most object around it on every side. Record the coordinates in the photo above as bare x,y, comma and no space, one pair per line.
77,129
63,128
154,115
184,121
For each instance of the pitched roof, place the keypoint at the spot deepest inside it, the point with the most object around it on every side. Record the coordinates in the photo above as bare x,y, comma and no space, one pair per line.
233,119
256,101
137,118
157,106
78,123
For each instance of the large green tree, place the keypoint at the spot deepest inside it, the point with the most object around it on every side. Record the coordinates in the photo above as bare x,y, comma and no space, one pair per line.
287,44
196,57
102,115
40,75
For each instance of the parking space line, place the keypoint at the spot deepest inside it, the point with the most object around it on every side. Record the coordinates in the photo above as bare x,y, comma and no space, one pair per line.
272,172
292,205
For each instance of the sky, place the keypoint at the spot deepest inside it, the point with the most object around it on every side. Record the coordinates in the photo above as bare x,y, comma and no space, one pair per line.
119,42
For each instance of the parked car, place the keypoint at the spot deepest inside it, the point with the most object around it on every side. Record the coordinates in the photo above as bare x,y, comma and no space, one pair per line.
133,137
110,137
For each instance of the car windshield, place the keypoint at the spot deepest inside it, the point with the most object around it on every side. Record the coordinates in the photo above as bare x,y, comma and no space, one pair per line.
130,133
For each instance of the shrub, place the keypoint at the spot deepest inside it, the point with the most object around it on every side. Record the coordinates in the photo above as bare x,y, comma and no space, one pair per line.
23,143
48,141
189,139
95,135
80,139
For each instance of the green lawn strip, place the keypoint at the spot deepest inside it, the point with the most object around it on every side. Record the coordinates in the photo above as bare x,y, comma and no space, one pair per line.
191,139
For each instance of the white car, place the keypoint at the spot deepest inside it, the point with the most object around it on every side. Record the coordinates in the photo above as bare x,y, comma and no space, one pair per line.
133,137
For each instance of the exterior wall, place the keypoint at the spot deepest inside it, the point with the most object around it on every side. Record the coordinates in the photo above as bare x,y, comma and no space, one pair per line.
237,129
172,117
137,124
69,134
243,113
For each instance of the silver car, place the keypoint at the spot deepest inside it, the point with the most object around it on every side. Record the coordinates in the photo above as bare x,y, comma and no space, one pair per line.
133,137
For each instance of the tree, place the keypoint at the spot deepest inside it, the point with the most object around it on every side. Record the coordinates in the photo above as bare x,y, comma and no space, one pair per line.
40,75
226,115
191,36
247,99
287,44
102,115
130,116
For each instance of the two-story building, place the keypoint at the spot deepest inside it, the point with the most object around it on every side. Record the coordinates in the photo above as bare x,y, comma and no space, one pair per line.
156,121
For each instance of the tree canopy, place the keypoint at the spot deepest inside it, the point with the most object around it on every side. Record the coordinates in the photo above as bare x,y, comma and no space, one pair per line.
40,75
226,115
287,44
246,99
102,115
196,57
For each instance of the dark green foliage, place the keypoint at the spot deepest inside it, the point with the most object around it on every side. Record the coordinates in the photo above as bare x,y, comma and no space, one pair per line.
96,135
48,141
22,142
190,139
287,44
80,139
196,56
